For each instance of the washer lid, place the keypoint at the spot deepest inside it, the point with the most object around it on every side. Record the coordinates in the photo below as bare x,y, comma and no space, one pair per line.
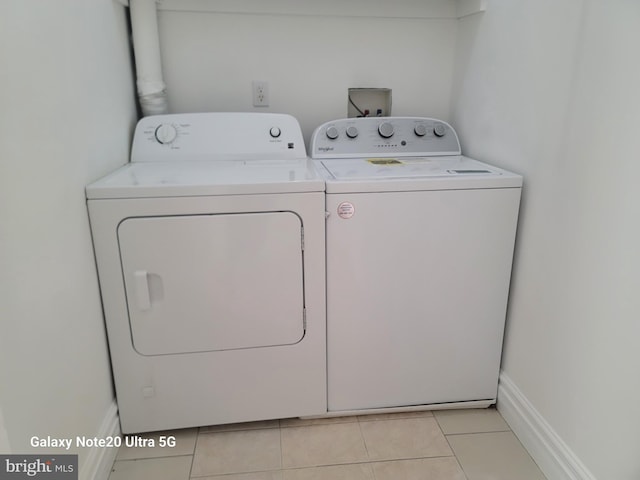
200,178
387,174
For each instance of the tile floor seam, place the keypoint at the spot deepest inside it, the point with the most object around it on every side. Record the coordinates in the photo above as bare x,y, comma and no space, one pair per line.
477,433
333,465
411,458
369,463
244,472
364,462
281,452
191,466
152,458
193,454
446,437
169,455
435,417
373,472
132,460
364,440
233,474
461,467
366,449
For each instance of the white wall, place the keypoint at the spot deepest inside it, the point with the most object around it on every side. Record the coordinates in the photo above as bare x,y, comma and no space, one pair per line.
550,89
547,88
5,446
310,56
67,110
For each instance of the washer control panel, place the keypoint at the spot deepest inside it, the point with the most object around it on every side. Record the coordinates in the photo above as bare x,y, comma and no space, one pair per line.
384,137
217,136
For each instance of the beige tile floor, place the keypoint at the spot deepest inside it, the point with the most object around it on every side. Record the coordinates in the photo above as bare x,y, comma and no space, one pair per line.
440,445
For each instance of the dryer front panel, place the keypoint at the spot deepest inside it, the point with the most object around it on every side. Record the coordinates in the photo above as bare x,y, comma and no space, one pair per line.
197,283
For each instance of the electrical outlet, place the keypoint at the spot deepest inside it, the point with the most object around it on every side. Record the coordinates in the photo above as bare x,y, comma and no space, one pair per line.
369,102
260,93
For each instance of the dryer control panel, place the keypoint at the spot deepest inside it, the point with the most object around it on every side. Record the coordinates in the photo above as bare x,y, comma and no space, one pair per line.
217,136
384,137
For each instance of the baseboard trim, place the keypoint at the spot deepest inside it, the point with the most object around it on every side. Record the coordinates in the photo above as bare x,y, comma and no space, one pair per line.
554,457
100,460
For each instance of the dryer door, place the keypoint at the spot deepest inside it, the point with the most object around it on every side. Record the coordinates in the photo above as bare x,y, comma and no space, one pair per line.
200,283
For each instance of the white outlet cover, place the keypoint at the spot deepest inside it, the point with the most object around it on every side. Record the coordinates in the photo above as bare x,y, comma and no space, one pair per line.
260,93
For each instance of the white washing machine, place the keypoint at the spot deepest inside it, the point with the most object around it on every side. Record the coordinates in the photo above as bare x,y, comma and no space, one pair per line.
419,249
211,261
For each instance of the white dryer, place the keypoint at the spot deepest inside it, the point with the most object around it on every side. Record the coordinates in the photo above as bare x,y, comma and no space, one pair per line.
419,249
210,253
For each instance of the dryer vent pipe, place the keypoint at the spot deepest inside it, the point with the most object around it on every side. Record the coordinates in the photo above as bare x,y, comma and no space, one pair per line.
152,93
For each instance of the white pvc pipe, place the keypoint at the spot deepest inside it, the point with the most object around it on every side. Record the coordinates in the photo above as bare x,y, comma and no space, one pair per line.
152,92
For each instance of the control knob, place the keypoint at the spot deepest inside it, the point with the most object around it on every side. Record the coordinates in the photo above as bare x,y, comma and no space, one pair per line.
352,132
332,133
385,130
166,134
439,130
420,130
274,132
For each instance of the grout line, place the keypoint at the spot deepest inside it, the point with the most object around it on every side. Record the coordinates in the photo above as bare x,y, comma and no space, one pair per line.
446,438
478,433
281,450
193,456
373,471
411,458
153,459
461,468
367,462
364,441
207,476
455,456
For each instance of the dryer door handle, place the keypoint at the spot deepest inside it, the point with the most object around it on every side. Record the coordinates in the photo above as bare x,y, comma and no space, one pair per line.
143,299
